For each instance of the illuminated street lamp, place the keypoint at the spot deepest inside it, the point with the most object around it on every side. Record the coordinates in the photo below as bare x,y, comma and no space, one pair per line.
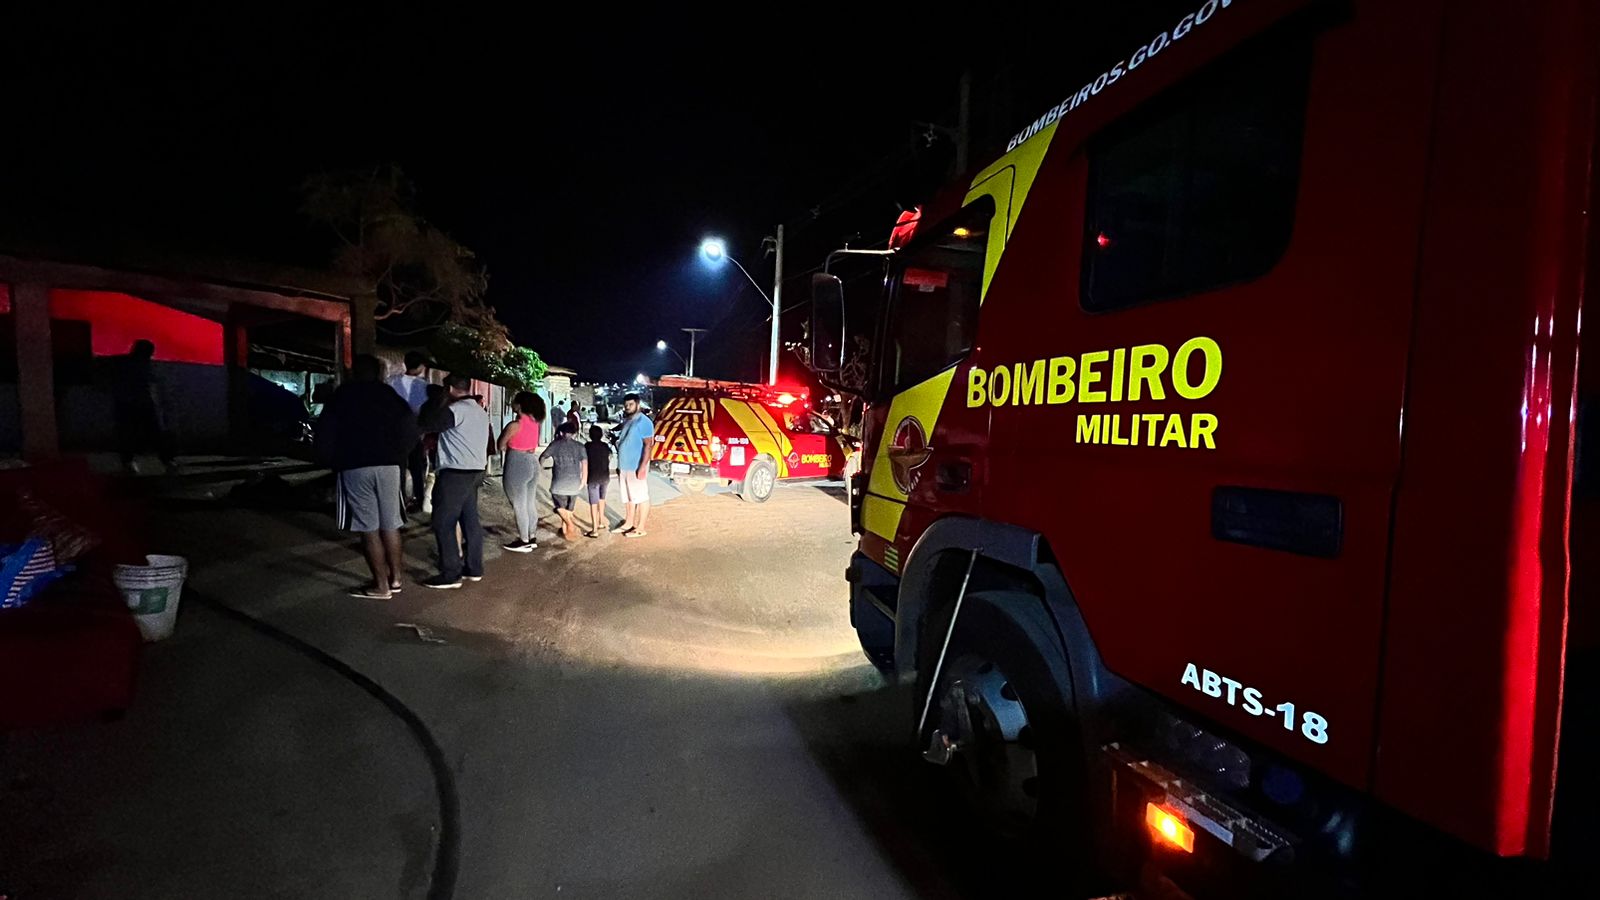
663,345
715,250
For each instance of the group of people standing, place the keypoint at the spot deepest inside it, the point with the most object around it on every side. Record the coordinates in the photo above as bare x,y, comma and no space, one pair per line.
577,470
370,431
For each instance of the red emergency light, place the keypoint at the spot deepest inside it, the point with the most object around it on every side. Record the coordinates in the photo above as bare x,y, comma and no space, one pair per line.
905,227
767,394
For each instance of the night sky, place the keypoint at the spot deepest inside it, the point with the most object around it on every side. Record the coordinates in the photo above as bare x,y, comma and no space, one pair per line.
583,164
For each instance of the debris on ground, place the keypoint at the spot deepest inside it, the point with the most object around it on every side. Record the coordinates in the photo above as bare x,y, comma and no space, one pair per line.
423,632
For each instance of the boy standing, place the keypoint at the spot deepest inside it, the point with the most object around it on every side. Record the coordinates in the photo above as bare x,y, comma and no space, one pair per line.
599,469
571,471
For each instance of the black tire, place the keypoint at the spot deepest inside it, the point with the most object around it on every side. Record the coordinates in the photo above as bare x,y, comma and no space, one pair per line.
760,480
1013,634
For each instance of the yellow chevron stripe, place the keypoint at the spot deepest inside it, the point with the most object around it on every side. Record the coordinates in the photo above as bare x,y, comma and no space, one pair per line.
785,446
755,423
1008,180
690,429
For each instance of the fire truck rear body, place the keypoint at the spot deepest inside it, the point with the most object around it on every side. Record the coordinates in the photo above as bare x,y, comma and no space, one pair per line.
1271,406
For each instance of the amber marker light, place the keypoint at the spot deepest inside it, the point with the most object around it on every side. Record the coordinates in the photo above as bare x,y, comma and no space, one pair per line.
1167,828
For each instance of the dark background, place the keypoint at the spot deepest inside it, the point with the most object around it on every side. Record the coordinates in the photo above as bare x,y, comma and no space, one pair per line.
583,161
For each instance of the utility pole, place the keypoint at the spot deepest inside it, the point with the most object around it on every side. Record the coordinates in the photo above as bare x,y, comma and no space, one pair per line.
961,134
964,123
692,333
777,299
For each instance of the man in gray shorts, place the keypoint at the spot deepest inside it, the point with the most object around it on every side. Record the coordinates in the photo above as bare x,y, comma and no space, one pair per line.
364,435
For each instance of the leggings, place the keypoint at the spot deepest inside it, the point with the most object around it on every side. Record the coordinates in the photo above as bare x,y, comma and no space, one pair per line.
521,479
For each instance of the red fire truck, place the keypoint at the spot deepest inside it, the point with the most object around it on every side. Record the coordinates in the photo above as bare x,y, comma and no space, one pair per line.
1226,496
748,436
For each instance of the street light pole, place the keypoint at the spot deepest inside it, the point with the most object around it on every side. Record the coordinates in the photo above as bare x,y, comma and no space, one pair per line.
693,333
777,297
715,250
687,369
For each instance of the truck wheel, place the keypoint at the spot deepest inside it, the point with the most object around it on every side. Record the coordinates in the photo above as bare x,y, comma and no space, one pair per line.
1002,700
695,485
759,481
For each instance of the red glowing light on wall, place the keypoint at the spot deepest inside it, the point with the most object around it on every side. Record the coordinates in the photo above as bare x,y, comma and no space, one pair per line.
117,320
1103,240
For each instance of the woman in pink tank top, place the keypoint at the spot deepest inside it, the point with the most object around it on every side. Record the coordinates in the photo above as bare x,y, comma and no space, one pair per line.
519,443
522,434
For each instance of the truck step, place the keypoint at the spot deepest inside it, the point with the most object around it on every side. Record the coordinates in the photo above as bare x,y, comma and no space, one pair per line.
883,596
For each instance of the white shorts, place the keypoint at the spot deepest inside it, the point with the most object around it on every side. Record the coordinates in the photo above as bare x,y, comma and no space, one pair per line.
634,488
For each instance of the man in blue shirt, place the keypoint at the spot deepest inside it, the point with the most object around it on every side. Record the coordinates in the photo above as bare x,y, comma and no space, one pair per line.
634,442
412,386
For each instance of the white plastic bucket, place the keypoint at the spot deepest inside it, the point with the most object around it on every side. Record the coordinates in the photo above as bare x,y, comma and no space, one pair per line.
152,592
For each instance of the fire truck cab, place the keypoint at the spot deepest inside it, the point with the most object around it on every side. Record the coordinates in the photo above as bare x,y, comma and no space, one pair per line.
745,436
1225,497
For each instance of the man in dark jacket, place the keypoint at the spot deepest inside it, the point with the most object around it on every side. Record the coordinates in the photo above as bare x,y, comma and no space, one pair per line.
364,435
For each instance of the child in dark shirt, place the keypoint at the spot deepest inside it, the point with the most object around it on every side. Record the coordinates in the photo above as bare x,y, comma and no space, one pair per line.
599,476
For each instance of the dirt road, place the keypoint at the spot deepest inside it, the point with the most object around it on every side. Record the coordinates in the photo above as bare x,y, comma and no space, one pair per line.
682,715
717,587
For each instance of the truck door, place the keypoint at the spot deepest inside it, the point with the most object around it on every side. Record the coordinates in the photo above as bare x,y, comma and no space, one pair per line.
922,460
1246,222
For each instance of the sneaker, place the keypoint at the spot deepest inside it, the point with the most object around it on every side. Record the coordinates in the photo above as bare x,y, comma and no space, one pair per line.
441,583
394,588
371,593
521,546
634,532
473,577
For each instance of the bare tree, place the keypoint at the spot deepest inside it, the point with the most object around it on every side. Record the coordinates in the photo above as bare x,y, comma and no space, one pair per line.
421,276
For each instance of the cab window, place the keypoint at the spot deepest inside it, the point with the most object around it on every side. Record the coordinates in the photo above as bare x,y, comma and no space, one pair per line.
1197,191
807,421
933,299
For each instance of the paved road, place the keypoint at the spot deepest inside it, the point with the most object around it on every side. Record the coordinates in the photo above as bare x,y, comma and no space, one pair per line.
683,715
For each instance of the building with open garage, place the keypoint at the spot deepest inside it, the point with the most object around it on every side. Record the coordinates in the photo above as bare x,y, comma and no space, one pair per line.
238,353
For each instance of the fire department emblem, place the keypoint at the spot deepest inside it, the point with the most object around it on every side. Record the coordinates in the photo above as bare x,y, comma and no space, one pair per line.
908,450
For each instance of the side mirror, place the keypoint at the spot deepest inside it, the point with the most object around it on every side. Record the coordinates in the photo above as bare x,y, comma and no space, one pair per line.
827,322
